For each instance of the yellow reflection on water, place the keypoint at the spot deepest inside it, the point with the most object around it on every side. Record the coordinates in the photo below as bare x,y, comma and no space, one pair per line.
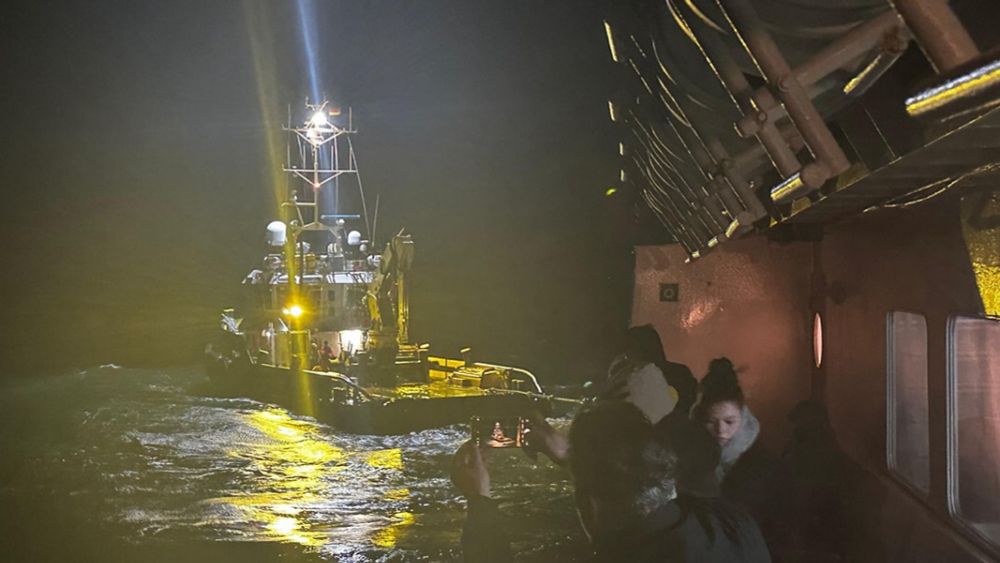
294,466
389,536
388,459
397,494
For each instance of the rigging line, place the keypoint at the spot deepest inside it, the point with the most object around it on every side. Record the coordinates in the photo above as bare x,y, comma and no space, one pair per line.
668,209
677,178
647,144
649,173
667,183
683,116
665,163
656,136
676,230
654,140
693,213
671,218
637,46
361,188
652,156
660,213
677,114
663,148
656,97
674,109
644,171
656,55
671,103
691,160
639,75
665,197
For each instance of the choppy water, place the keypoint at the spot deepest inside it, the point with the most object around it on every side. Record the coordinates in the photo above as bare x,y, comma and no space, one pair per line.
112,464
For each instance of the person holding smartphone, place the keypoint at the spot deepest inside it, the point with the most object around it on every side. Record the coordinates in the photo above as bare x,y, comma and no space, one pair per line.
625,492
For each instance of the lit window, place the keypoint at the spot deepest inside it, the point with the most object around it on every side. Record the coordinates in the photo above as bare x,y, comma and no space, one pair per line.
974,424
907,439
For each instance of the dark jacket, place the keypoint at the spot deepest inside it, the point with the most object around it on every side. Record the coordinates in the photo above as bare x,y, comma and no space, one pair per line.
753,484
751,480
683,531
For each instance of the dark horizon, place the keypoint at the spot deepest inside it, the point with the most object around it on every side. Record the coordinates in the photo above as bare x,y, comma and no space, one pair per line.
139,183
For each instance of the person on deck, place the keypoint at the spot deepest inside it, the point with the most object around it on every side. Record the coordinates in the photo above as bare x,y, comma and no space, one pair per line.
641,375
326,356
746,470
644,345
625,495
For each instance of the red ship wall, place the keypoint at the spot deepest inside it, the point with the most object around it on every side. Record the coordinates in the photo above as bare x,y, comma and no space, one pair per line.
747,301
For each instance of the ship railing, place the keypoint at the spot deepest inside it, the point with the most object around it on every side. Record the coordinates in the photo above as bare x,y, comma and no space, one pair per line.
342,379
523,372
543,396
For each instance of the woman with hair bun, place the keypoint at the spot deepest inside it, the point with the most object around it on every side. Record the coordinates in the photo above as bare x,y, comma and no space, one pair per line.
746,469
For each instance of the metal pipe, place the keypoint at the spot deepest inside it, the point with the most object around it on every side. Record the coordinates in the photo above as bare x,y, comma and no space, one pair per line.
738,181
713,159
831,159
873,71
731,75
887,30
847,48
940,34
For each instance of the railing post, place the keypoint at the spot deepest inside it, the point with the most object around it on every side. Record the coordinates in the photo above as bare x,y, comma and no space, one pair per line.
939,33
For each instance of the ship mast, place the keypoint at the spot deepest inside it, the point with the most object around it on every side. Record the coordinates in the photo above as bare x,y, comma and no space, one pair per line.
318,145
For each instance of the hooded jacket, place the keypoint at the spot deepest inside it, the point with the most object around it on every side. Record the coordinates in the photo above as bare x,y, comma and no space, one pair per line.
643,385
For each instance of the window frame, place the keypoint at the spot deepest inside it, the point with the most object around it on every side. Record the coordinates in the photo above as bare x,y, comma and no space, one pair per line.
951,438
890,407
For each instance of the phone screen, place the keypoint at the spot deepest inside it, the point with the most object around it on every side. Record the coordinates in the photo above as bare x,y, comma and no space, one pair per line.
505,432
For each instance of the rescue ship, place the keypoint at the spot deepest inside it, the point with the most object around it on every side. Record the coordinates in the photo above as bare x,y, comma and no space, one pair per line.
326,328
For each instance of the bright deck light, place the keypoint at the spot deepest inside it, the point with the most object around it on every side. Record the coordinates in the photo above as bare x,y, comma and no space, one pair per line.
294,311
351,340
318,119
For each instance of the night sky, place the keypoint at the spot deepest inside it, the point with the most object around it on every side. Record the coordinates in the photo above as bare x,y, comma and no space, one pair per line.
137,184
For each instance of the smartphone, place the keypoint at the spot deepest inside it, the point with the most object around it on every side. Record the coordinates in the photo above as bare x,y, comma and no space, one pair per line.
499,432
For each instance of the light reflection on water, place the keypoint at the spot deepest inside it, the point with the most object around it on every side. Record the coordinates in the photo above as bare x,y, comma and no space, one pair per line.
302,471
148,458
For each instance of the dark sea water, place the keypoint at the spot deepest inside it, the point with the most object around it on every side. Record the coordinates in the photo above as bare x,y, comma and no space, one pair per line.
118,464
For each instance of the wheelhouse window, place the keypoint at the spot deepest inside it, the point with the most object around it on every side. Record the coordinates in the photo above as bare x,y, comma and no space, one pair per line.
974,420
907,439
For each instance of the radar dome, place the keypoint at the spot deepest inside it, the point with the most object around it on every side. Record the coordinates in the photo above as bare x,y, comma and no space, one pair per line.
276,233
353,238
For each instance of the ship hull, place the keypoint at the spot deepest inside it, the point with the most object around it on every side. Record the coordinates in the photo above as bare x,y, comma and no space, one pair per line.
382,411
